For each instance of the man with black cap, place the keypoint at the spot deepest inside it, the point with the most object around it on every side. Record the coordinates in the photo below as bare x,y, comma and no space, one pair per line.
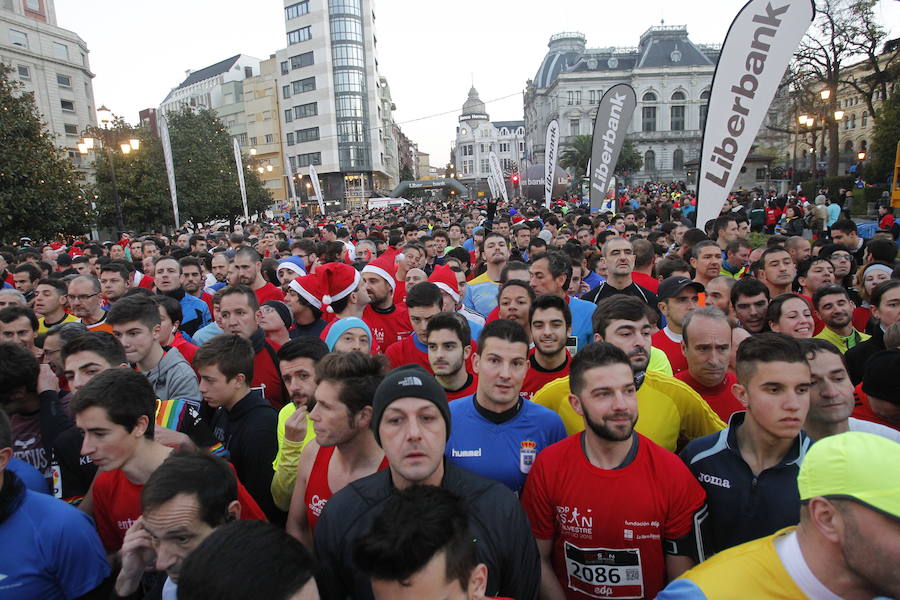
678,296
411,421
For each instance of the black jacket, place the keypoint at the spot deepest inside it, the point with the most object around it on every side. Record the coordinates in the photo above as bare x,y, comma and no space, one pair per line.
248,433
497,521
857,356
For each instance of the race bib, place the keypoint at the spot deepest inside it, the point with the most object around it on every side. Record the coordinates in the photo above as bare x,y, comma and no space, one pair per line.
605,572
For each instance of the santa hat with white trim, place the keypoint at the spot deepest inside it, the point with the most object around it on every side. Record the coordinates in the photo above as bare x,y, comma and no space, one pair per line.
444,277
385,266
338,281
310,287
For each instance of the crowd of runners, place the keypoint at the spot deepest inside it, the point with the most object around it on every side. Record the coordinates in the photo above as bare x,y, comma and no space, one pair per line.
459,400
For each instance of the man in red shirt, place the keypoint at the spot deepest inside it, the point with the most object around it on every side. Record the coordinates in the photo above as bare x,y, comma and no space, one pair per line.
423,302
880,391
644,259
123,451
678,297
550,321
707,348
247,263
389,322
612,512
449,341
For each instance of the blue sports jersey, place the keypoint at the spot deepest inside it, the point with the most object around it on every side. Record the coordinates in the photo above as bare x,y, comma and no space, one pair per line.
481,296
582,325
502,452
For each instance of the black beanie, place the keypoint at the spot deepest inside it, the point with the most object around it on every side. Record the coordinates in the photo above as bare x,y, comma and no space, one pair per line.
410,381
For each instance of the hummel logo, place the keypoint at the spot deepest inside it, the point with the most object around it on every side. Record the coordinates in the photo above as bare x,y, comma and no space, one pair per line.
410,381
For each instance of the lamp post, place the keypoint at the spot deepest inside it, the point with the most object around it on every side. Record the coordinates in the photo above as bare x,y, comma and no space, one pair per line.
809,121
107,140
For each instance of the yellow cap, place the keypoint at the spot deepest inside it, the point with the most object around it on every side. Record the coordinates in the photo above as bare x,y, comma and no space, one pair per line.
861,466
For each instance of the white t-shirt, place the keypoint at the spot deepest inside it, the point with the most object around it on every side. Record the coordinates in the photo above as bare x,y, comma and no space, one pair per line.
876,428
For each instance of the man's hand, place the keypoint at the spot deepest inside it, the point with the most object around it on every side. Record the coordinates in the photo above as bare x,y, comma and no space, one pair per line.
137,556
47,380
295,426
173,439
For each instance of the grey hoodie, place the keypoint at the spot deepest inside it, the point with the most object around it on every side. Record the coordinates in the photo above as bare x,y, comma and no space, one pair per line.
173,378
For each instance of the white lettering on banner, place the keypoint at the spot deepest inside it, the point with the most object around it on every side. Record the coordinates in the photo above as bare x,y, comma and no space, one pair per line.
551,142
602,171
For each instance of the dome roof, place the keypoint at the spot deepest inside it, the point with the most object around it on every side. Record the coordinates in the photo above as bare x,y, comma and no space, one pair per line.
473,105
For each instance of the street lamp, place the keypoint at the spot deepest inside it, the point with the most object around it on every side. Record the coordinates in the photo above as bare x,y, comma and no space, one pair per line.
825,94
861,156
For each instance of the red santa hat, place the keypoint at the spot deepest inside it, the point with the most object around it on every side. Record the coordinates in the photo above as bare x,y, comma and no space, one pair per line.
338,281
444,277
385,266
310,287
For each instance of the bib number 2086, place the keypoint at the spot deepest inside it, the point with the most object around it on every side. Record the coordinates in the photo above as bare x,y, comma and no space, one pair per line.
605,572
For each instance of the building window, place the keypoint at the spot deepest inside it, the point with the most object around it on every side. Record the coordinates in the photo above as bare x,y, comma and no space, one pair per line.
484,165
67,105
304,85
467,150
648,118
299,35
345,7
349,107
484,148
578,97
349,81
853,121
285,68
306,110
704,95
521,147
346,30
574,127
703,110
649,97
285,91
18,38
570,98
677,113
295,10
678,97
348,55
678,160
650,161
64,80
70,129
302,60
60,51
24,73
865,118
253,141
593,96
290,139
33,6
761,174
270,138
288,115
504,146
307,135
311,158
241,138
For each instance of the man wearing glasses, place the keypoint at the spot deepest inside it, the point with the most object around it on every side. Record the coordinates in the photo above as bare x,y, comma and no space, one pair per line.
84,299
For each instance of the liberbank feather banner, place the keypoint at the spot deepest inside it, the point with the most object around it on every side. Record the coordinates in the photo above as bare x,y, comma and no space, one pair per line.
757,49
551,146
317,187
497,172
613,119
239,162
170,167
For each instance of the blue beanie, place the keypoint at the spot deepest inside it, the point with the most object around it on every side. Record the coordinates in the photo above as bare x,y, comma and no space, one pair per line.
339,327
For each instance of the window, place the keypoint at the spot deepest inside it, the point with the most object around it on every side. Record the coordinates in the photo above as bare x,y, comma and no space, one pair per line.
346,7
70,129
703,110
678,159
24,73
650,161
484,165
284,67
288,115
848,146
290,139
63,80
312,158
348,55
18,38
678,96
60,51
67,105
302,60
570,98
349,81
467,150
865,118
346,30
574,127
484,148
304,85
270,139
467,167
295,10
853,121
761,174
253,141
307,135
704,95
648,118
285,91
306,110
348,107
350,131
242,139
33,6
521,147
299,35
593,96
677,113
649,97
504,146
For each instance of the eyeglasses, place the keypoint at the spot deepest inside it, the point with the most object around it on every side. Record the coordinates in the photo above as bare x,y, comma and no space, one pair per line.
840,257
83,297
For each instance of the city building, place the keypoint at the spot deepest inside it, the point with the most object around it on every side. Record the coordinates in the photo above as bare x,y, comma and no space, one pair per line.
52,63
261,108
219,87
476,137
423,165
670,74
334,111
391,150
148,118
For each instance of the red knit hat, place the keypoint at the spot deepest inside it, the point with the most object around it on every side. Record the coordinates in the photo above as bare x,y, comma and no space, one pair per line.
385,266
310,287
444,277
339,281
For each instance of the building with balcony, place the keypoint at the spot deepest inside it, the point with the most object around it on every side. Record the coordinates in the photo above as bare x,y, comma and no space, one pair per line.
52,63
335,107
264,139
476,137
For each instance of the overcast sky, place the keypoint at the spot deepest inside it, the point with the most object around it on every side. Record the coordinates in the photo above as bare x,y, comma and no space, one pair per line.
430,51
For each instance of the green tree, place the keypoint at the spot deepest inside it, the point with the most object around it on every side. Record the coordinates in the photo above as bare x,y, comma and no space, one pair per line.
630,160
205,171
40,190
884,142
140,178
576,155
406,173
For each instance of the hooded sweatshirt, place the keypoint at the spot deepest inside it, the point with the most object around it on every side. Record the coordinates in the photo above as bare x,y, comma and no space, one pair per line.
173,378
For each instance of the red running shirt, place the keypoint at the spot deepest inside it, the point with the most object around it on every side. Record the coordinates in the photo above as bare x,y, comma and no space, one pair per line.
672,349
318,492
268,292
388,327
536,377
608,526
719,398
